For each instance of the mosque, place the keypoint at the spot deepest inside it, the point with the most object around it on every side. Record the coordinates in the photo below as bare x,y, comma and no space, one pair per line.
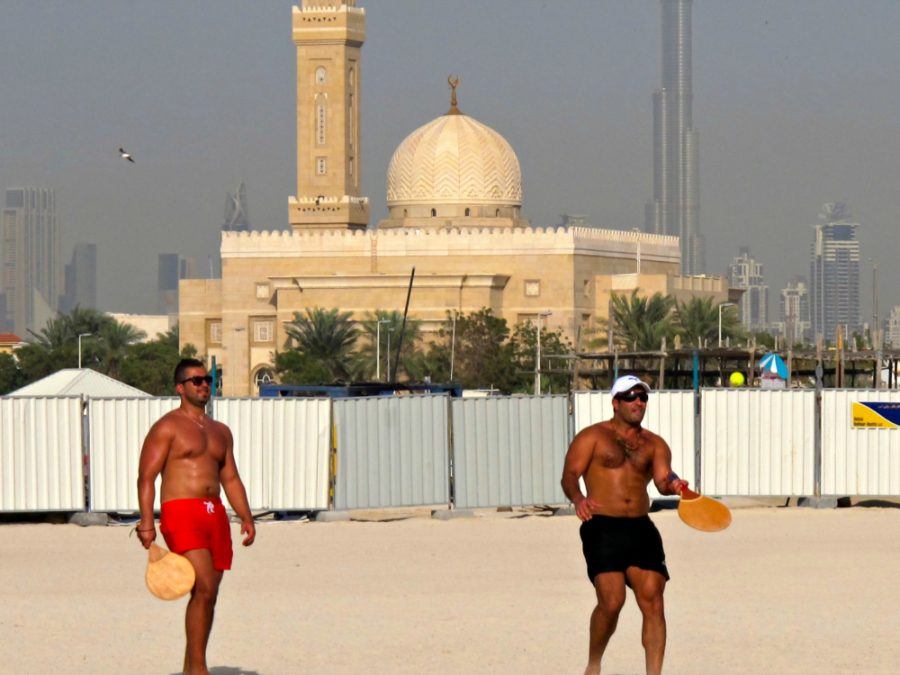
454,198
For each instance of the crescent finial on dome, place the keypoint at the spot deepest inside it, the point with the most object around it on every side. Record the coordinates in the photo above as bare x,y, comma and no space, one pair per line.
453,81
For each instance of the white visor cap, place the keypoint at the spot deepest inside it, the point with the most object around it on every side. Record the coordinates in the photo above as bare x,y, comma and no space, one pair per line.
627,383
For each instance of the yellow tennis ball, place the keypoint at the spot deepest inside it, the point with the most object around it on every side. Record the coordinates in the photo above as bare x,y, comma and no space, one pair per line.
736,379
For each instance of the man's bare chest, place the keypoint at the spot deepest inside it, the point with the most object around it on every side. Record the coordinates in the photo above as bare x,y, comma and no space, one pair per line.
622,453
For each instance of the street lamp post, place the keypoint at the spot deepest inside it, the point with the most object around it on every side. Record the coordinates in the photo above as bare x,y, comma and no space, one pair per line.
81,335
378,348
724,304
388,355
452,344
537,354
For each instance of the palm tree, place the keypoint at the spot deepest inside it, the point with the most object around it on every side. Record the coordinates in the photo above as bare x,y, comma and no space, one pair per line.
62,330
326,335
391,323
698,321
115,338
641,323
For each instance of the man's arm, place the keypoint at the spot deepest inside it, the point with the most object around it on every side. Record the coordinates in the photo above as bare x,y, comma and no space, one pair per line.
666,480
153,459
578,458
235,492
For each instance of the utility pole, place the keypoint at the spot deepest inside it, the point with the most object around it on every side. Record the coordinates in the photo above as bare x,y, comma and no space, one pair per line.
378,348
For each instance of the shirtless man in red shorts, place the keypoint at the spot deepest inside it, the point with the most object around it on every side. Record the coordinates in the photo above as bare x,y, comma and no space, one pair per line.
196,458
621,545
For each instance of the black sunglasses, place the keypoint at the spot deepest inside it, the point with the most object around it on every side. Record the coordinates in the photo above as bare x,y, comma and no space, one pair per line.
631,396
197,380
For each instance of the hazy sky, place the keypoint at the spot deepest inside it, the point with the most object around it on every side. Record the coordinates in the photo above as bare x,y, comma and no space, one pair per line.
797,103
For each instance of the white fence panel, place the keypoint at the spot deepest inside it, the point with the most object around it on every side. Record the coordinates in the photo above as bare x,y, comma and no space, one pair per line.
281,447
41,454
509,451
118,427
391,451
670,414
858,461
758,442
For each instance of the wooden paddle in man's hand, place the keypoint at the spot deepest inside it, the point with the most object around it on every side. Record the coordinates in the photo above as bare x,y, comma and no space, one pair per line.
702,512
169,575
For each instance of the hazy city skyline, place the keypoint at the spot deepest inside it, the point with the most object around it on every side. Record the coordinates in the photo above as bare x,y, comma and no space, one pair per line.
795,103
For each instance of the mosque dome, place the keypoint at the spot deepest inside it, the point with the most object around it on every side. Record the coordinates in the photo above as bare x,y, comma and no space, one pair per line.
454,159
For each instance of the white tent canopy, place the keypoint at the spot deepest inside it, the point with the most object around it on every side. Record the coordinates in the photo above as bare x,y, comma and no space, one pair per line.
78,382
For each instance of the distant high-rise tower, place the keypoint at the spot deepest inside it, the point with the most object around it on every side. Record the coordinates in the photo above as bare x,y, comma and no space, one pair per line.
172,268
834,273
329,38
30,243
795,323
745,272
675,207
236,218
81,279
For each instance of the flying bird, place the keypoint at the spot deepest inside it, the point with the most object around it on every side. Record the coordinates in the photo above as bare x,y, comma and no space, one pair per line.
125,155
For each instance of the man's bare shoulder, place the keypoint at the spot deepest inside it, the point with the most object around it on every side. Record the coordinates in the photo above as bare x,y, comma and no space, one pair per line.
221,427
595,432
167,424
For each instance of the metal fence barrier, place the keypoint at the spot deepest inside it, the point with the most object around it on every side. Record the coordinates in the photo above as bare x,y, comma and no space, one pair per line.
118,427
397,451
41,454
509,451
858,461
392,451
758,442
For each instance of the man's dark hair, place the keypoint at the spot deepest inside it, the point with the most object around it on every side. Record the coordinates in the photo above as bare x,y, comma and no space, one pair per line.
183,365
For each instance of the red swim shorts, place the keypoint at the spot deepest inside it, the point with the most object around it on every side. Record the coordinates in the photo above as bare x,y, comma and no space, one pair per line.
189,524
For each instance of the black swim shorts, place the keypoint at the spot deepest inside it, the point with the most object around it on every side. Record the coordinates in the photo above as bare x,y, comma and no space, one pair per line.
613,544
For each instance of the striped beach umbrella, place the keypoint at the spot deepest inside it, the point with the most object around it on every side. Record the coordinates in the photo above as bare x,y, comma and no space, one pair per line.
772,363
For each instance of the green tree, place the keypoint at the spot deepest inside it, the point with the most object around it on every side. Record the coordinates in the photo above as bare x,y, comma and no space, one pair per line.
484,357
327,336
11,376
115,340
698,322
388,334
295,367
149,365
553,342
641,323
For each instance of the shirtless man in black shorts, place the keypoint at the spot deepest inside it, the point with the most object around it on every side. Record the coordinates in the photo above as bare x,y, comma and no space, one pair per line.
621,545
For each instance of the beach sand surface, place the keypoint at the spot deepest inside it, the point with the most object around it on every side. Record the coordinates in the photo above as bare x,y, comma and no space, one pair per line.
783,590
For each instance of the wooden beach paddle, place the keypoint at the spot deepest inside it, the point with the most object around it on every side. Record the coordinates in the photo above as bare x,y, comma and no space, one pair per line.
702,512
169,575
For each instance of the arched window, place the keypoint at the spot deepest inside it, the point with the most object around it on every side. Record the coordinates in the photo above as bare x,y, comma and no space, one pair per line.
497,213
321,122
468,211
320,75
433,212
405,213
263,376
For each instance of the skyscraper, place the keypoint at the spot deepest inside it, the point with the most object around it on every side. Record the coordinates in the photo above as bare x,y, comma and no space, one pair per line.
32,276
675,207
747,273
81,279
795,324
834,273
172,268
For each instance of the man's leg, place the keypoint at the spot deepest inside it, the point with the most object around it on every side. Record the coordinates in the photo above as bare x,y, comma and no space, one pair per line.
610,587
648,591
198,618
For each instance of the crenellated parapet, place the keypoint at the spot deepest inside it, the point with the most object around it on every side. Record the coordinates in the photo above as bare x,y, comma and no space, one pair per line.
452,241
